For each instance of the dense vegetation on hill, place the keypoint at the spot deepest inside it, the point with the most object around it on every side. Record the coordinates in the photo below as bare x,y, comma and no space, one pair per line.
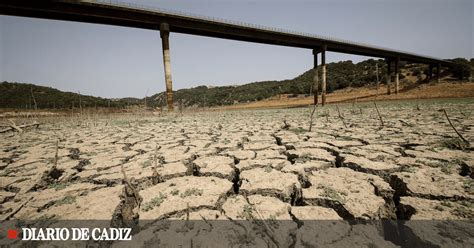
340,75
20,95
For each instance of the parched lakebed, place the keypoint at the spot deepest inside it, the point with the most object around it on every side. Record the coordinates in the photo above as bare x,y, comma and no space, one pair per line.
244,166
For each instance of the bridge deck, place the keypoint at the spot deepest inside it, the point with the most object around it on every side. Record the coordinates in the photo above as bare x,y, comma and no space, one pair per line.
102,12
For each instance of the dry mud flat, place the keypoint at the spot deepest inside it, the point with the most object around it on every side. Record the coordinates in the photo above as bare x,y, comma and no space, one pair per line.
245,178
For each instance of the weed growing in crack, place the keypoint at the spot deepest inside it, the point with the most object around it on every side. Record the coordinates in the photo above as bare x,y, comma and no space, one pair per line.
331,193
155,202
464,210
372,245
247,212
298,130
446,170
454,144
146,164
59,185
190,192
446,204
468,186
305,157
6,172
175,192
226,141
410,169
66,200
439,208
268,168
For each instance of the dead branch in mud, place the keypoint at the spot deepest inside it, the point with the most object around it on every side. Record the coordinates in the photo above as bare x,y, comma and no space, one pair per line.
146,96
156,177
155,156
129,187
269,231
455,130
13,127
340,116
127,213
49,176
378,81
12,213
285,126
378,113
406,123
311,118
56,155
80,102
34,99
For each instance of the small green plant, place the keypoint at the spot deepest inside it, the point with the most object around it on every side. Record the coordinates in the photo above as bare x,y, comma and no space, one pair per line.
468,186
247,212
59,185
332,193
268,168
298,130
305,157
175,191
66,200
190,192
439,208
372,245
455,144
464,210
446,204
155,202
146,164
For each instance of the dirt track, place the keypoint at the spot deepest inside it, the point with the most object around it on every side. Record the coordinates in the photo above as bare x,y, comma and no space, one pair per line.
244,165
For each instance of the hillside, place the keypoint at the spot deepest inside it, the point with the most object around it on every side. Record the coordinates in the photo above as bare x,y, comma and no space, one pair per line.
20,95
341,75
344,74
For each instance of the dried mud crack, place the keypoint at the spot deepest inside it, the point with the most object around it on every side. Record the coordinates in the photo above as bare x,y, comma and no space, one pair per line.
245,167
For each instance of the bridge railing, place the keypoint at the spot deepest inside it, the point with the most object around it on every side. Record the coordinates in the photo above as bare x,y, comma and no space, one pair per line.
242,24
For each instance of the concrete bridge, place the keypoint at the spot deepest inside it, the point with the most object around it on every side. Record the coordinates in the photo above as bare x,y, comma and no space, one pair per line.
130,15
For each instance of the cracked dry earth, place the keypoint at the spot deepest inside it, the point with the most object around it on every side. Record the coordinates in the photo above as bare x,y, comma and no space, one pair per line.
248,165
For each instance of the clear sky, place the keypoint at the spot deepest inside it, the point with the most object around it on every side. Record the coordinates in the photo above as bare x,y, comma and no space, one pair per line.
111,61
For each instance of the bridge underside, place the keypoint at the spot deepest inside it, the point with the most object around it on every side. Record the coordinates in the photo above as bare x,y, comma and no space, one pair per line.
121,15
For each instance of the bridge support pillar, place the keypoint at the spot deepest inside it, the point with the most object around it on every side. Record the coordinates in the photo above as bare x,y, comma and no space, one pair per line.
389,77
323,83
165,33
438,73
397,76
316,77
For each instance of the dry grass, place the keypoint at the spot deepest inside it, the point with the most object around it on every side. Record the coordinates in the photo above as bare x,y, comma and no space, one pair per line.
424,91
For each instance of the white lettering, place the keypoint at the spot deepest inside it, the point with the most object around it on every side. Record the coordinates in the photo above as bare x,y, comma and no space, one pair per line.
27,233
105,235
127,234
95,231
40,235
63,233
85,233
76,233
